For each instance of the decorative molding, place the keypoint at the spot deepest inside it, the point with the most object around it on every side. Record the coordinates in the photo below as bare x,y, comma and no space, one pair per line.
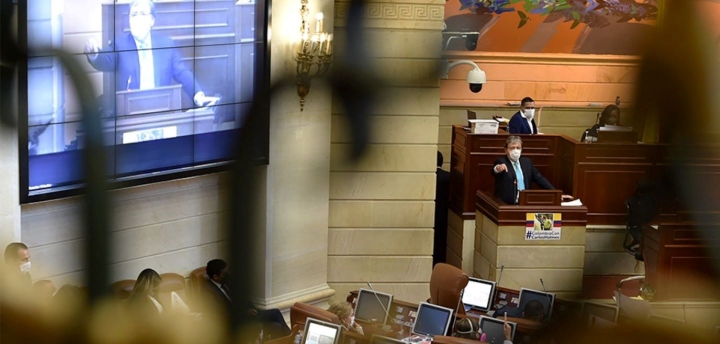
401,15
317,294
499,105
548,59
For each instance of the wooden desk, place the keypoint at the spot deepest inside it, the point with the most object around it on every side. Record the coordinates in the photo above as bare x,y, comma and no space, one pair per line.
503,296
679,263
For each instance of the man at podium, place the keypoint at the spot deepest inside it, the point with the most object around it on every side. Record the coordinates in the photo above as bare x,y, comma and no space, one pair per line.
144,59
514,173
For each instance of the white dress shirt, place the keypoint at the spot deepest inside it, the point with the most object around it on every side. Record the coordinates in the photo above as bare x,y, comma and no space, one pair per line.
147,69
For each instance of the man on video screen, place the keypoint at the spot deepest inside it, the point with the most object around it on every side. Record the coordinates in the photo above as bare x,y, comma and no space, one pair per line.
144,59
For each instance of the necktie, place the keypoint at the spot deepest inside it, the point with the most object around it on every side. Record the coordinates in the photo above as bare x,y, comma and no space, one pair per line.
226,290
519,175
147,72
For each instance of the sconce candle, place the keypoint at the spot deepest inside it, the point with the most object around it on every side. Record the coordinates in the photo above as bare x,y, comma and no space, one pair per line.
314,55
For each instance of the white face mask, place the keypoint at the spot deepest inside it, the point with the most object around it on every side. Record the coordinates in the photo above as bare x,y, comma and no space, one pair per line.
25,267
529,113
515,154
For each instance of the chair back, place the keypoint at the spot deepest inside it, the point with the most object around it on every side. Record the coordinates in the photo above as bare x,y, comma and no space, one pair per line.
171,282
299,312
198,278
446,283
122,289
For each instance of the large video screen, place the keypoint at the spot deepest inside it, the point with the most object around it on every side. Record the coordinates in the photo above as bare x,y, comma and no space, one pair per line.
174,82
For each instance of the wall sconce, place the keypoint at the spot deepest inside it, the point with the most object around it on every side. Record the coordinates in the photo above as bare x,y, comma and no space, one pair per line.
314,51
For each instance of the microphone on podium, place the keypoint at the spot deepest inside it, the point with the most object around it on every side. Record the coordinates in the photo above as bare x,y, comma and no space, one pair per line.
387,313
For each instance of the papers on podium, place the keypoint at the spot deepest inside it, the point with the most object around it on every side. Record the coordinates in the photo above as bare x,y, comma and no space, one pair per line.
573,203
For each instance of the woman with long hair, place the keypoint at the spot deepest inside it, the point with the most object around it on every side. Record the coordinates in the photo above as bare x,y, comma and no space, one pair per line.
144,294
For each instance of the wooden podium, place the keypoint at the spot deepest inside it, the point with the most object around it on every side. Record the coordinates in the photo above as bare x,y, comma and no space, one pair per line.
502,243
540,197
158,99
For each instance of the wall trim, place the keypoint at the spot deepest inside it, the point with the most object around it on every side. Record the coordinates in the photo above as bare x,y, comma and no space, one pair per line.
540,58
317,294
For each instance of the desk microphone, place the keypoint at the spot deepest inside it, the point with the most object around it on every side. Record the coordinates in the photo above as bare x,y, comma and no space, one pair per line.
502,268
546,295
387,314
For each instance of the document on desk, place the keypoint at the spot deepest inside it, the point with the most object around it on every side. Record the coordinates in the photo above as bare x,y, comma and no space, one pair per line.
573,203
213,101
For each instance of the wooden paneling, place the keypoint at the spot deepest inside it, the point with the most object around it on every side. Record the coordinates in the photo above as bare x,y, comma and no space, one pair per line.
602,175
680,262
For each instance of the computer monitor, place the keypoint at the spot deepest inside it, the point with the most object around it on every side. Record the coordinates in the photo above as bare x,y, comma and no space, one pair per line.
432,320
470,116
547,300
369,308
494,329
478,294
320,332
375,339
599,310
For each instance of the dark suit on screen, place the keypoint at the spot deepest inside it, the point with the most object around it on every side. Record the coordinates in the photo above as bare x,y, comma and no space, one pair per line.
519,125
505,187
167,64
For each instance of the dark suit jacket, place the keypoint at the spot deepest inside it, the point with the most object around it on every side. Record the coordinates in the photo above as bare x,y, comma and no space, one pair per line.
442,199
216,296
505,181
167,64
518,125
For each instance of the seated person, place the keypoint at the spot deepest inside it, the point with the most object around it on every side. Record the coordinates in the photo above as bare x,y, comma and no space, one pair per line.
345,312
534,311
522,122
514,173
609,116
17,264
467,328
143,297
43,290
219,295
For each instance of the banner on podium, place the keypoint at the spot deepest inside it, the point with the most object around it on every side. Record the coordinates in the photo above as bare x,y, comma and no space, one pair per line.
543,226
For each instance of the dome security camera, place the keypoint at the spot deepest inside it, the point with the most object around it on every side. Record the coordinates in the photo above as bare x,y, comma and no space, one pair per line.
476,78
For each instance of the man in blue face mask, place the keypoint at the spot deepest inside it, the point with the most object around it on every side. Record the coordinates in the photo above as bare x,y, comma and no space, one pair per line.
514,173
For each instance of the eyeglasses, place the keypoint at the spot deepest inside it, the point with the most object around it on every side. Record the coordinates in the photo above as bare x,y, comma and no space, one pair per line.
140,14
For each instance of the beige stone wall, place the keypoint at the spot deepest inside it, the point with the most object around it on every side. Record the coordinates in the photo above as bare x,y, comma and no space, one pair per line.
169,227
381,209
558,262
